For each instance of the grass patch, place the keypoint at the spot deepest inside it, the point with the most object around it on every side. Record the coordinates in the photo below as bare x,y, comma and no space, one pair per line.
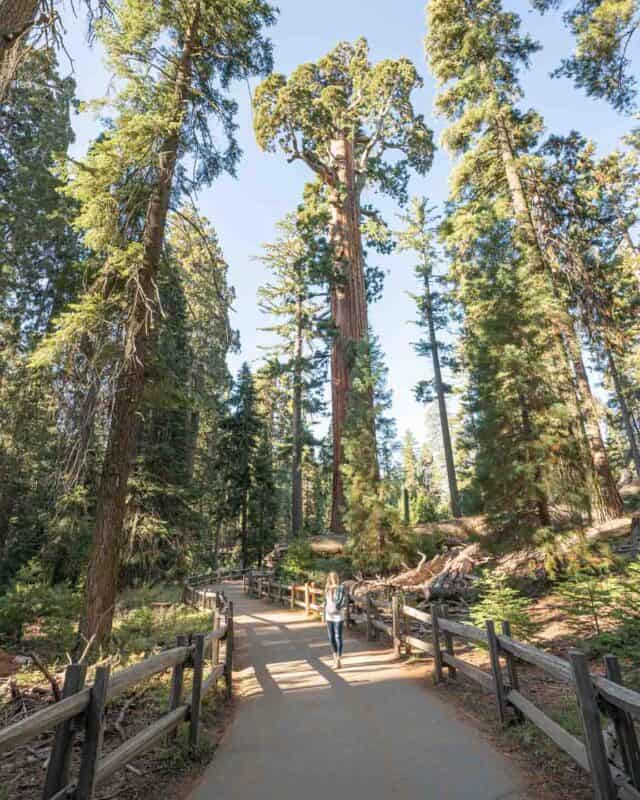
139,630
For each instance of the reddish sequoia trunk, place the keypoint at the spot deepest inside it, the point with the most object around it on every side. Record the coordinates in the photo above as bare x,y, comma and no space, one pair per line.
101,586
348,306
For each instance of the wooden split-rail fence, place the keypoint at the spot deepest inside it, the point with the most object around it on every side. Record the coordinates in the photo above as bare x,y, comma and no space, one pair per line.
82,708
599,697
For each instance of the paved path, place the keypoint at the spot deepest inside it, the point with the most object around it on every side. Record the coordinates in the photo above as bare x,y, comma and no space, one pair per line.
372,731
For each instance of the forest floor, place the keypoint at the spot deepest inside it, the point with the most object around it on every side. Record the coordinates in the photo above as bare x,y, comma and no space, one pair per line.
147,621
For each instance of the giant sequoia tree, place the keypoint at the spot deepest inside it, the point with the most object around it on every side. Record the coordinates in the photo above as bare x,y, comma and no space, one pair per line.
341,116
476,51
174,63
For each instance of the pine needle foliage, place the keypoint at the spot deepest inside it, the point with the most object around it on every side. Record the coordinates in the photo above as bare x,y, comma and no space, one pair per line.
502,603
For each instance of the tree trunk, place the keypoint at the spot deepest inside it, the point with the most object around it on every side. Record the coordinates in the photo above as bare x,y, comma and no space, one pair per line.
261,539
296,430
17,18
454,499
216,542
104,563
244,539
624,412
607,502
348,306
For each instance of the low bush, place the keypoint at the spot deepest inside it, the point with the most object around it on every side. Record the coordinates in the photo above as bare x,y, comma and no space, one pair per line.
586,600
500,602
32,599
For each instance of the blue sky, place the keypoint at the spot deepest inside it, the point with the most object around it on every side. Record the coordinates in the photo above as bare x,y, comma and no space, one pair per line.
245,210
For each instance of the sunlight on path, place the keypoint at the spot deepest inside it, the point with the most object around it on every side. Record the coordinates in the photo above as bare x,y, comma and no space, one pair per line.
370,731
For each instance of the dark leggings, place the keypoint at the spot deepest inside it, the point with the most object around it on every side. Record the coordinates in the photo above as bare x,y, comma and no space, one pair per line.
334,629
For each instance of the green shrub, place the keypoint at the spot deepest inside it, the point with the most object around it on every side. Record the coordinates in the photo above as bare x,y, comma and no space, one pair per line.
500,602
302,564
298,561
586,600
32,599
138,623
625,597
426,508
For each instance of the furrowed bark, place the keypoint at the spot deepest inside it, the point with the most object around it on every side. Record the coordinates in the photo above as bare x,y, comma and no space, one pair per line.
348,306
104,563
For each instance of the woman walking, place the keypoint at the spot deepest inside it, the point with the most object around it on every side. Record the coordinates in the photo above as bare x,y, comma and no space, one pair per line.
335,603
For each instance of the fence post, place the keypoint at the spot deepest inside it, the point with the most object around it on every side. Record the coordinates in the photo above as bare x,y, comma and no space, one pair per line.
405,624
512,670
58,769
496,669
292,599
177,679
603,787
196,692
635,534
438,676
395,624
229,651
448,641
93,734
624,727
215,645
369,613
307,608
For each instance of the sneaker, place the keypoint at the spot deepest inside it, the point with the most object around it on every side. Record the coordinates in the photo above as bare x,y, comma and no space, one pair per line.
338,663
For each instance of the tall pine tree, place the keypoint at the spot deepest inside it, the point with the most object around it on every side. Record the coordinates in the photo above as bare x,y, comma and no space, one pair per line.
476,51
419,237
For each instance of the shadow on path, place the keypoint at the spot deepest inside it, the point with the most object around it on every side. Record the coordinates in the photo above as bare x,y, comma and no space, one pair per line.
371,731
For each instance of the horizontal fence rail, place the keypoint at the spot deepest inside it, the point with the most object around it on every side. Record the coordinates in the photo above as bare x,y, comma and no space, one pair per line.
599,698
82,707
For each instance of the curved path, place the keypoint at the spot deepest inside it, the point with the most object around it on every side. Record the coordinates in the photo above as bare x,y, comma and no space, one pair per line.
372,731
